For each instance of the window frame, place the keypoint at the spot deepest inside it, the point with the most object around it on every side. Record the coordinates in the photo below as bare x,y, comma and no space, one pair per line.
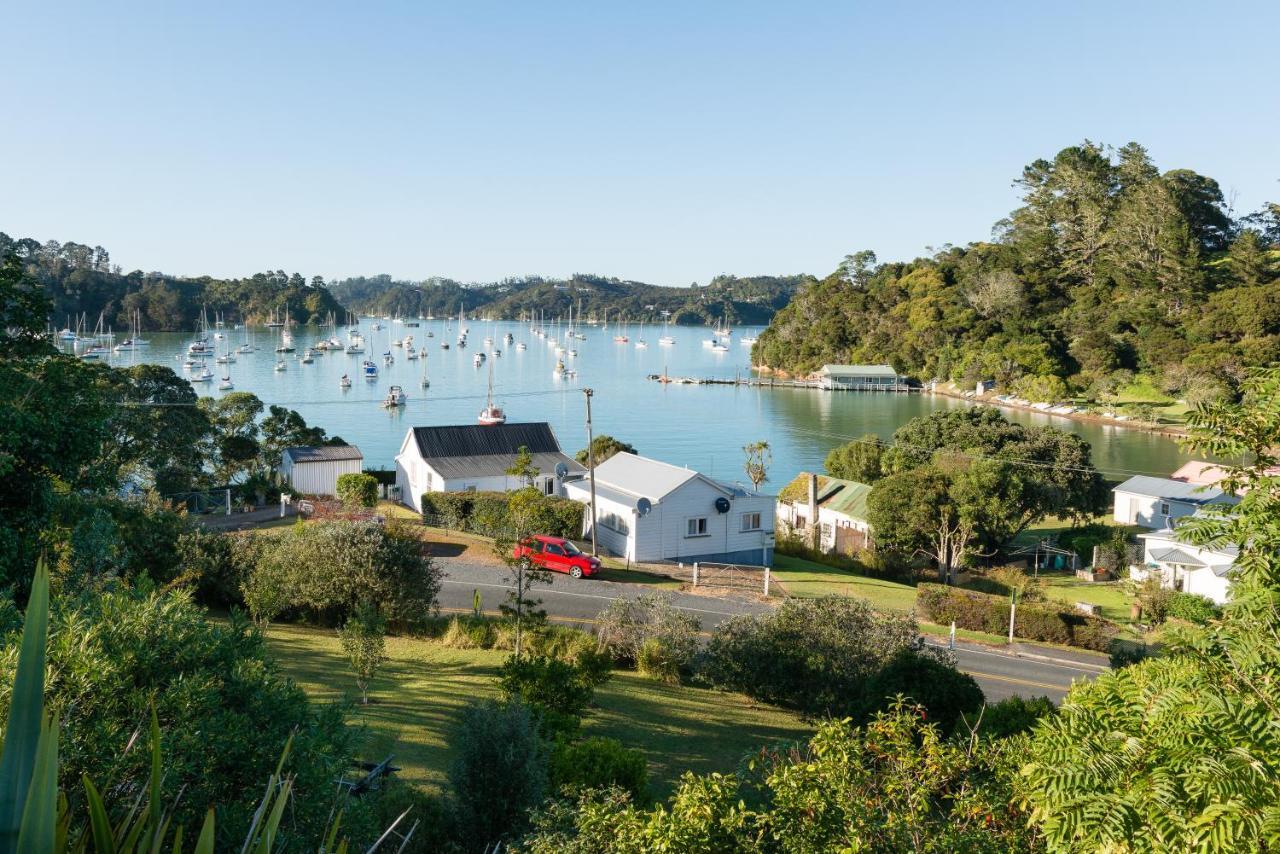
759,522
702,523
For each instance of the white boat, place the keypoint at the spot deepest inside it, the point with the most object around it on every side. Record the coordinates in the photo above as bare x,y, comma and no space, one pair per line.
226,384
410,354
444,345
345,382
426,383
522,346
356,346
388,359
66,334
395,397
225,359
718,347
245,348
282,365
204,376
477,359
370,370
492,414
559,370
641,344
308,357
748,340
497,353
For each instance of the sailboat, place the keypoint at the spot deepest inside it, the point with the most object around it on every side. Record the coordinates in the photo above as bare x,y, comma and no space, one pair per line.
426,383
666,340
204,376
621,337
370,370
345,382
226,384
492,414
281,365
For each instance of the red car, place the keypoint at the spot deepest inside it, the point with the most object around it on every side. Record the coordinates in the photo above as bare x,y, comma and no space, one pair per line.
557,554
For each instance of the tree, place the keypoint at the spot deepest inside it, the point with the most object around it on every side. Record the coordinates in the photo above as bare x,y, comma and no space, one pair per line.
285,428
914,512
1175,751
858,267
364,643
528,512
604,447
759,458
522,467
500,772
859,460
157,431
233,449
357,489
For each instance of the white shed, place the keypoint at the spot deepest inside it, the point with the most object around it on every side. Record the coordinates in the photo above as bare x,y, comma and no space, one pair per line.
315,470
689,517
1182,566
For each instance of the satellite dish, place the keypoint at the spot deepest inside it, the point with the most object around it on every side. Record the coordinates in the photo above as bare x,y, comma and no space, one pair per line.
643,506
562,471
722,505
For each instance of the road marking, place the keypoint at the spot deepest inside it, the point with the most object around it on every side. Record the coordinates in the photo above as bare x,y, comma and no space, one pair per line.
1081,667
1015,680
555,592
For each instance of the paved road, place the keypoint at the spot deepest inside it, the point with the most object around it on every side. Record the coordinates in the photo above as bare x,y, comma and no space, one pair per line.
579,601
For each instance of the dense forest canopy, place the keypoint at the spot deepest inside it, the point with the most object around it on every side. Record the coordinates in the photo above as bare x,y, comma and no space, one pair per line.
750,300
1109,269
79,279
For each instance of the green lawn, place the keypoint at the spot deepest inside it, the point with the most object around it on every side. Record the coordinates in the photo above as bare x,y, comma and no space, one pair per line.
1111,596
418,698
805,579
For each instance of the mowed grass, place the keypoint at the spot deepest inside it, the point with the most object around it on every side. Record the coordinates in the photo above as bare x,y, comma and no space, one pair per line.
418,698
1111,596
805,579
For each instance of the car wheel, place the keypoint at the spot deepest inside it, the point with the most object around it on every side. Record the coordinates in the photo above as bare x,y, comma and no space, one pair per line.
575,571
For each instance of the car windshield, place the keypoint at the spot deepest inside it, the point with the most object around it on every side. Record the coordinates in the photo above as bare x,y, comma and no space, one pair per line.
570,548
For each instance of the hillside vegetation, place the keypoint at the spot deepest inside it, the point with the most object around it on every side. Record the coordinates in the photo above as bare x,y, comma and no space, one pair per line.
1111,271
753,300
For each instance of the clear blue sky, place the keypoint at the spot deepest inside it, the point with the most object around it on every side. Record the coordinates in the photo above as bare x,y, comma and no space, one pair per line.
659,141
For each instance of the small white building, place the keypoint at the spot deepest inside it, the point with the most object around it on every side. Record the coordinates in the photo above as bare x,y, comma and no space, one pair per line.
840,507
475,458
1156,502
861,378
648,510
1182,566
314,470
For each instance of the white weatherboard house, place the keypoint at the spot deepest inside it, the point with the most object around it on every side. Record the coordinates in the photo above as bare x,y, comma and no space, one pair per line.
1182,566
475,457
1155,502
315,470
689,516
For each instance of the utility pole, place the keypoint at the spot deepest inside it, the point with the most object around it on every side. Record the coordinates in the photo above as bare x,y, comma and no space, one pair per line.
591,471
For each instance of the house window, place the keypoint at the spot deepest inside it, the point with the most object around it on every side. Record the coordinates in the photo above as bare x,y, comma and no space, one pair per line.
1164,508
696,527
549,486
613,522
750,522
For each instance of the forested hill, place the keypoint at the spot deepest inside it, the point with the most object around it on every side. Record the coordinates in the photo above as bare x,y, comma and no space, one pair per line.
1109,270
751,300
81,279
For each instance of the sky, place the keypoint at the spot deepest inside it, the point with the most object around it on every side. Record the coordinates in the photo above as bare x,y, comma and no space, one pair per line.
663,142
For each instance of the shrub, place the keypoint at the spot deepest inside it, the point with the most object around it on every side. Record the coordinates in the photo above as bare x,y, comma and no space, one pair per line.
217,563
500,772
1154,598
814,655
558,692
597,763
925,680
1192,608
326,569
224,708
437,829
469,633
1011,716
490,514
984,613
627,624
657,660
357,489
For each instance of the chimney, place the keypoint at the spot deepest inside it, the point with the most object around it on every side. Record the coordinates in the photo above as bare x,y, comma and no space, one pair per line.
814,528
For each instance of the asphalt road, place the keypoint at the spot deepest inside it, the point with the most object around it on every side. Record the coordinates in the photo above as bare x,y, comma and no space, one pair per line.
578,601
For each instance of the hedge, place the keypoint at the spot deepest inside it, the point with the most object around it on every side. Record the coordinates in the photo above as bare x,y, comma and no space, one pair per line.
486,513
1041,622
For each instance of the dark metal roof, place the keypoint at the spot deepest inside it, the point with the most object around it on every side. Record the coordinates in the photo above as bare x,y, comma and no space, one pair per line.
479,440
496,465
323,453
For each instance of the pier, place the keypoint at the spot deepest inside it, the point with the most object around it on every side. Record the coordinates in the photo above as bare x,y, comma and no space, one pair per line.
771,382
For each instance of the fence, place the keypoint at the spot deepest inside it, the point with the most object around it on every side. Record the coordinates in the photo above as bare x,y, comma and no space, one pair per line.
726,576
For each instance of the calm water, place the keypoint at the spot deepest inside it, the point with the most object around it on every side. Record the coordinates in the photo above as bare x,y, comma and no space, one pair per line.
703,427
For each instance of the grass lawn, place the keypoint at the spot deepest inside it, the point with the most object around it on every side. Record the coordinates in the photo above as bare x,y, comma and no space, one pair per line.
805,579
1111,596
419,696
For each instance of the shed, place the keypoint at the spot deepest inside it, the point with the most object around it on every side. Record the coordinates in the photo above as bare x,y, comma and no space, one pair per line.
315,469
861,378
841,510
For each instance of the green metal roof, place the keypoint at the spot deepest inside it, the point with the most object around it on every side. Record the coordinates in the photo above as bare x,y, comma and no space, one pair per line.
841,496
859,371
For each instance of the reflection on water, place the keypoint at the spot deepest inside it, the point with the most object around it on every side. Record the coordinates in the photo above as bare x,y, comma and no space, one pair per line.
703,427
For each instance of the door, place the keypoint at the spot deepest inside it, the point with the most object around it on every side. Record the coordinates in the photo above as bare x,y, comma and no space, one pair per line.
1133,510
553,557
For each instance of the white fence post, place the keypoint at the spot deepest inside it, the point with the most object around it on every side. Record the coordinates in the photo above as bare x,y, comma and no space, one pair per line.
766,582
695,573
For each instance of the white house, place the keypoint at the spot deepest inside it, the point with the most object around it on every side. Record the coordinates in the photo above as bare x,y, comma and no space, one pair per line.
1182,566
840,507
475,457
648,510
1155,502
315,470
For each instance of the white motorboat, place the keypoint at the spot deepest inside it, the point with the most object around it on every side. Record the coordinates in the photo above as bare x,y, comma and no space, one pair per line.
345,382
282,365
308,357
370,370
204,376
477,359
388,359
226,384
395,397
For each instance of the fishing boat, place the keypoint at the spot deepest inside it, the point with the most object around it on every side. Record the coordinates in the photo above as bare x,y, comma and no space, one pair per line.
370,370
395,397
497,353
492,414
345,382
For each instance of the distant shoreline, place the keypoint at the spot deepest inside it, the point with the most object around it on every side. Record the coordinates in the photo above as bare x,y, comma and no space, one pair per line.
990,400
